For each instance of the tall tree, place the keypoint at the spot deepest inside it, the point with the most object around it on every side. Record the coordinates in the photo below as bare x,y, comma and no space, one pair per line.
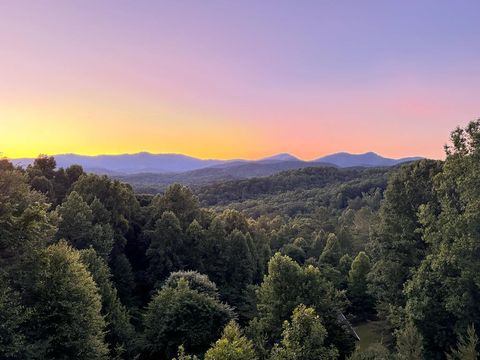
442,296
194,237
362,303
43,165
75,221
375,351
233,345
41,174
117,198
77,226
467,347
123,278
303,338
213,251
6,165
182,355
25,222
332,252
120,333
288,285
182,316
409,343
397,246
66,317
166,247
178,199
13,317
239,268
195,281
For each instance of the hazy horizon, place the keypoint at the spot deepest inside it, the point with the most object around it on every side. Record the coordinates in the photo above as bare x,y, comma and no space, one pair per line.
221,159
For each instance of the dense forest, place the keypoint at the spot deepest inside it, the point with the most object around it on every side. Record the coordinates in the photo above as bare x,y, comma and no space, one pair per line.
305,264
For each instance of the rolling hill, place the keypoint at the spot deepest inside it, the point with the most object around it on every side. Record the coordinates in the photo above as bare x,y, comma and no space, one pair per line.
369,159
131,163
152,173
152,182
145,162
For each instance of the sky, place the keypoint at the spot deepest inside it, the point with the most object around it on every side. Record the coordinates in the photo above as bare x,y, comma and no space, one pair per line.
236,79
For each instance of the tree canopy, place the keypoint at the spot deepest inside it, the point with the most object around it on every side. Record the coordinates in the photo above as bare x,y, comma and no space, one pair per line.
273,268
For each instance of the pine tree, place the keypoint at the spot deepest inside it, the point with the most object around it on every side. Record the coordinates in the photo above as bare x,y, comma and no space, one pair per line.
239,268
467,346
194,237
332,252
362,303
181,355
75,224
233,345
123,278
409,343
166,248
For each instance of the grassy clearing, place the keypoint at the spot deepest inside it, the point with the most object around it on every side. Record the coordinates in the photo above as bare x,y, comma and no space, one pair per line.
372,332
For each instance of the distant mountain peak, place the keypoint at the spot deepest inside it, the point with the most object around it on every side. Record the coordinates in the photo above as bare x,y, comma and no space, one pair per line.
282,157
368,159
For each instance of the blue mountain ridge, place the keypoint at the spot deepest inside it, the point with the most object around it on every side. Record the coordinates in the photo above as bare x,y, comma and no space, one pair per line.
145,162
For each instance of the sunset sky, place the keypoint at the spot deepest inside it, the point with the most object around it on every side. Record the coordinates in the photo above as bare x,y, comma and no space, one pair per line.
236,79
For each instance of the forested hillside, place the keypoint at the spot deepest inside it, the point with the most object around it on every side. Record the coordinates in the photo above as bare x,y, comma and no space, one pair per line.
284,267
230,174
295,192
156,183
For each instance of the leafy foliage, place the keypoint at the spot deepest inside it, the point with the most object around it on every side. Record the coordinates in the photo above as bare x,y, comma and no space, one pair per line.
233,345
13,318
66,303
183,316
304,338
120,333
287,286
409,343
362,303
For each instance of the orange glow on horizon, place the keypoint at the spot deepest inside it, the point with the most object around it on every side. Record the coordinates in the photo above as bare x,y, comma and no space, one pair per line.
34,131
94,125
28,132
209,80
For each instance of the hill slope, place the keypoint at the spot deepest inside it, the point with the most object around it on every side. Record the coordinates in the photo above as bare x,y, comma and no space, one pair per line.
152,183
295,192
369,159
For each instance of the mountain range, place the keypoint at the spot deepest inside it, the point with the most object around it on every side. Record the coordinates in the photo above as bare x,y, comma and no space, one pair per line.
144,162
152,173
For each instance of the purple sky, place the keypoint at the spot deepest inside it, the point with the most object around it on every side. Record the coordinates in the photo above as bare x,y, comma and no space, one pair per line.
237,78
